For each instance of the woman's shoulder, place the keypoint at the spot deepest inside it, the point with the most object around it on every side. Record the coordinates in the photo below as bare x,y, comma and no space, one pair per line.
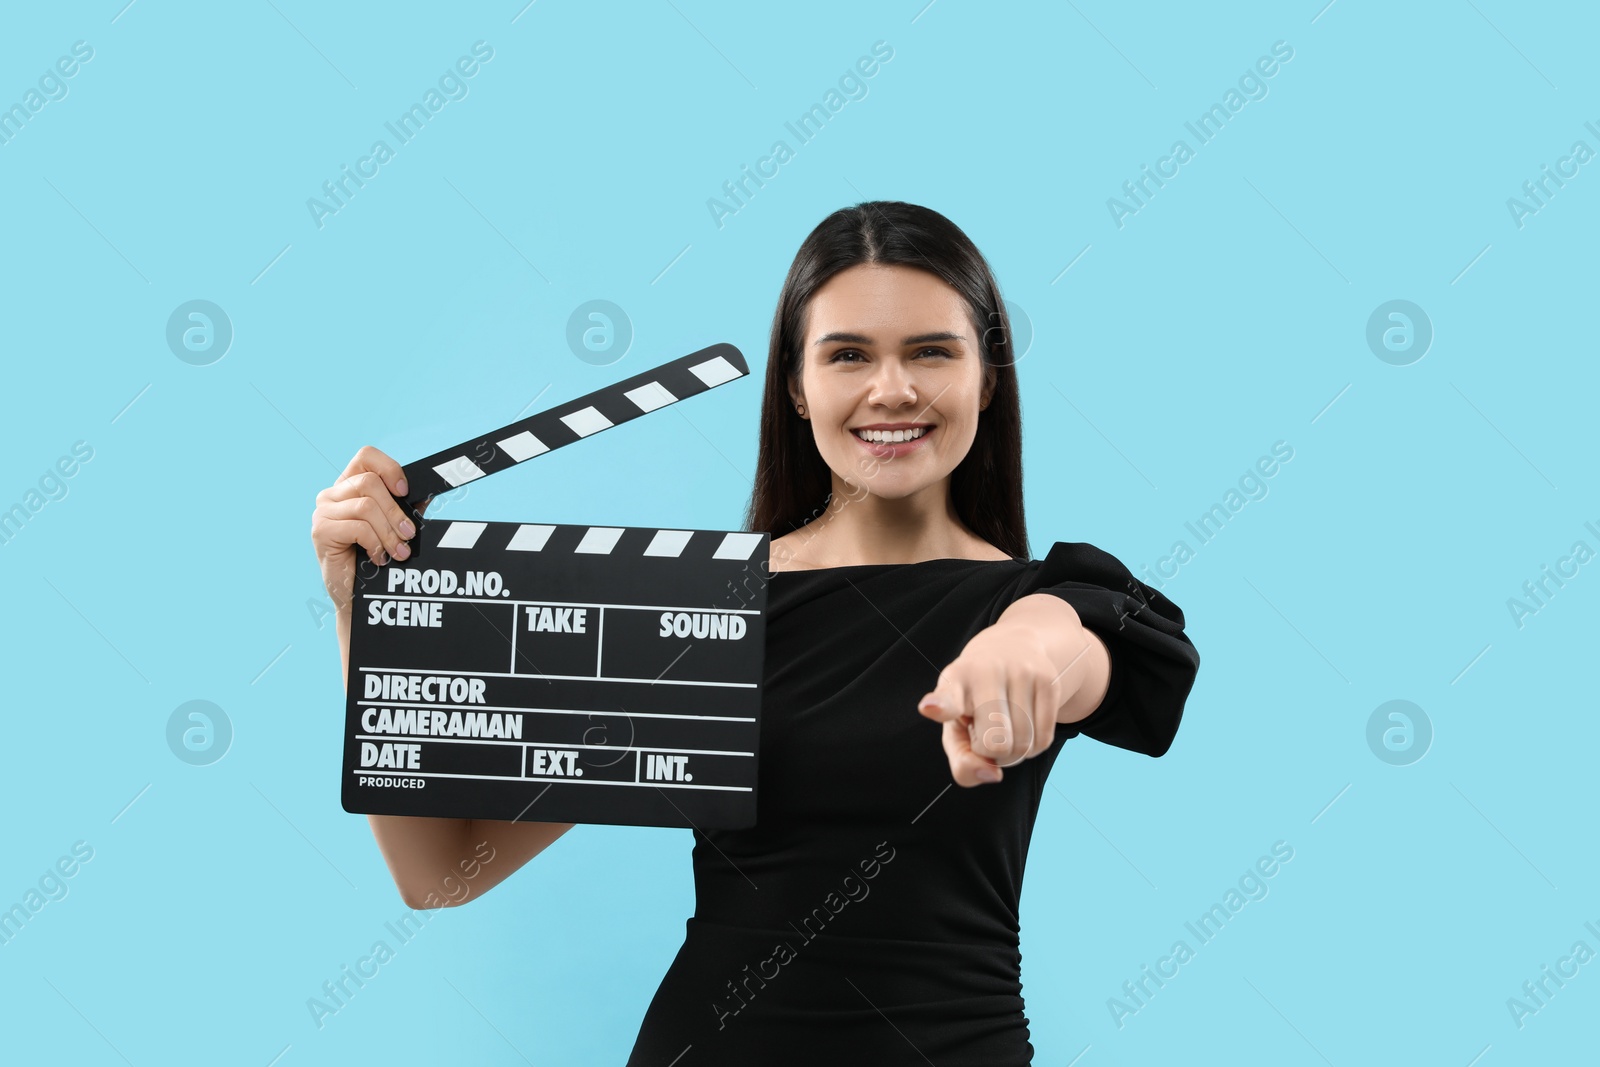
781,554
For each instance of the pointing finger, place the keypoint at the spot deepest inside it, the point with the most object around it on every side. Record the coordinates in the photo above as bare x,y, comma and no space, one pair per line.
948,700
966,766
941,708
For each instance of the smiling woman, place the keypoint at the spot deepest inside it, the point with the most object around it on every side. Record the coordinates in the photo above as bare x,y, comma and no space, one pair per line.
890,320
911,644
902,592
929,379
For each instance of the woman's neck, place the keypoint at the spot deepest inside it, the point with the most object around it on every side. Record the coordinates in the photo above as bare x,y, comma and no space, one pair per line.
866,530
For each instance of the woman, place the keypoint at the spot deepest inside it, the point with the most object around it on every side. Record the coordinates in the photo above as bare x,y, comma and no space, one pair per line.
871,912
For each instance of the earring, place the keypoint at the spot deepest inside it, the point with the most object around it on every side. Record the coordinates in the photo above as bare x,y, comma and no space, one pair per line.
801,408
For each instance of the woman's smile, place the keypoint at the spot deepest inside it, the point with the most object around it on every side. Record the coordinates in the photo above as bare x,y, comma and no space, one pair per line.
886,445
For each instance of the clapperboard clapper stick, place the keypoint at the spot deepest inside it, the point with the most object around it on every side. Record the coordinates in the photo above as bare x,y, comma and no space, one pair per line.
560,673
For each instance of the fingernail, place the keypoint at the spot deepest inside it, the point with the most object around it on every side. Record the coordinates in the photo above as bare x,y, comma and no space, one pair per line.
402,550
407,530
988,774
401,485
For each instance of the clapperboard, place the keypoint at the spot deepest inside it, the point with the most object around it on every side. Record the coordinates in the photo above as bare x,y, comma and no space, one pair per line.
559,673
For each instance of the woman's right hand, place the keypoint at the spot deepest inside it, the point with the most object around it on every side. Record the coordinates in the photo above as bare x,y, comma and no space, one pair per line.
359,509
424,854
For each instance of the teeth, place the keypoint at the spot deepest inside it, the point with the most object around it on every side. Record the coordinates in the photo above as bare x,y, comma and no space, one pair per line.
891,436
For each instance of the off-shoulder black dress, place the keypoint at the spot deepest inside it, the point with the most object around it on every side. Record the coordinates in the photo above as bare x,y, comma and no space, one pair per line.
870,915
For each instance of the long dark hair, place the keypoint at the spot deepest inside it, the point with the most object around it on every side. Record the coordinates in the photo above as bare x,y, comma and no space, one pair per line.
793,482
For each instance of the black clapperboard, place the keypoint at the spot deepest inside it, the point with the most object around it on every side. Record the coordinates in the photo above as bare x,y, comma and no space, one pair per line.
559,673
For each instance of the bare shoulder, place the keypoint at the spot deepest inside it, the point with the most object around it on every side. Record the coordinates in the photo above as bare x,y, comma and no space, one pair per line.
781,552
979,549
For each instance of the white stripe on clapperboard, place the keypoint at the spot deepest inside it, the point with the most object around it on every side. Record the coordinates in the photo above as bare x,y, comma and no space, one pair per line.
556,711
599,540
563,781
557,677
583,422
556,744
550,603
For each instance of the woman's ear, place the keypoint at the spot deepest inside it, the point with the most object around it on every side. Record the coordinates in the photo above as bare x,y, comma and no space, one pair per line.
797,399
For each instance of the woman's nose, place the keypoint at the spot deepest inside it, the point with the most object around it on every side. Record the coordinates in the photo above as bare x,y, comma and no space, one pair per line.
893,384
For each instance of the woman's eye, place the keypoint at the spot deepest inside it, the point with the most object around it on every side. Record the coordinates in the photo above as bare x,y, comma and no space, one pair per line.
837,356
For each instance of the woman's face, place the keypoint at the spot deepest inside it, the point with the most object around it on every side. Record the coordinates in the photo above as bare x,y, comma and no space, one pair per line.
890,346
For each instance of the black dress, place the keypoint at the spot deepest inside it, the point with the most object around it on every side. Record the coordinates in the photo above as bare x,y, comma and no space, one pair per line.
870,915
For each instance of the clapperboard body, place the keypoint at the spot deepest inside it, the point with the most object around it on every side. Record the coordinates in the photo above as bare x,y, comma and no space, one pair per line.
560,673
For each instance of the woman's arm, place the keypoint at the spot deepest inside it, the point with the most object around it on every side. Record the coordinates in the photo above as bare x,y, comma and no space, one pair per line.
1084,660
1034,667
443,863
425,855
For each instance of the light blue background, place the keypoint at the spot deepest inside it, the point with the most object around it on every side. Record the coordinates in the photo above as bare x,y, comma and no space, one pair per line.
1228,314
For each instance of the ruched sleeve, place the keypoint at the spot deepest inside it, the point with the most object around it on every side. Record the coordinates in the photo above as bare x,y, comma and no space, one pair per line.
1153,662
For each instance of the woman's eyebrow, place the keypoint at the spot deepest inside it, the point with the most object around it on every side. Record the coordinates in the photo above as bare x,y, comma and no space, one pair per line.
863,339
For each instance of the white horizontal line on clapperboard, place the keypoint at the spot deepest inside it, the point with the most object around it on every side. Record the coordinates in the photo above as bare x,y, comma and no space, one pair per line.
554,711
556,677
599,540
553,744
370,773
559,603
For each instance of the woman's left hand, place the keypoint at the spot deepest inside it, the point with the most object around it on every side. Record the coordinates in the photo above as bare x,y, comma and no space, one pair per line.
998,701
